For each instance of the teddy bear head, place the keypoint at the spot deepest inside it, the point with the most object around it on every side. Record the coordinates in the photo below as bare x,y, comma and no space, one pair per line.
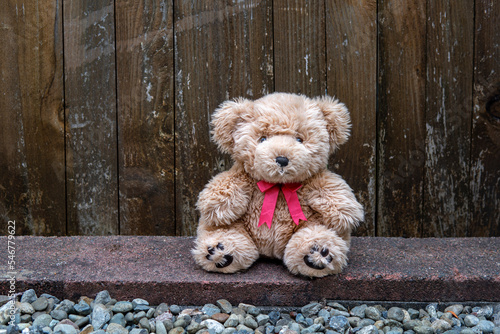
281,138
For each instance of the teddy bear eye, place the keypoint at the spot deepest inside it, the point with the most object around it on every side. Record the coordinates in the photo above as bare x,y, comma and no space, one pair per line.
299,140
262,139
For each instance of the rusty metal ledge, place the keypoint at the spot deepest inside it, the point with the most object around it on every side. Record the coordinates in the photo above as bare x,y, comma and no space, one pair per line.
161,269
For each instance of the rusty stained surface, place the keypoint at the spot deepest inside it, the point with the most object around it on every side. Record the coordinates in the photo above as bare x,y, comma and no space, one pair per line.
161,269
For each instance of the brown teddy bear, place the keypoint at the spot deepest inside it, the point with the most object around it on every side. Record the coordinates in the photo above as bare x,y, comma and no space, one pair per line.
278,200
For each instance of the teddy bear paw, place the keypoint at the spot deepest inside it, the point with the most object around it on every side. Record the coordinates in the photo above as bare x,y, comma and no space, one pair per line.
316,252
217,256
318,258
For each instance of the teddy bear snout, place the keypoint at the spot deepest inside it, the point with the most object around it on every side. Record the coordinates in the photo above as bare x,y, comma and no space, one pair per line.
282,161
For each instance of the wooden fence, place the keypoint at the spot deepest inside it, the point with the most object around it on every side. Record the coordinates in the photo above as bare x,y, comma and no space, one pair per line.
105,105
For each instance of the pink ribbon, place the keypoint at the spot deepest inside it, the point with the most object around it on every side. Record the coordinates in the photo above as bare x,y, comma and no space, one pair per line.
271,191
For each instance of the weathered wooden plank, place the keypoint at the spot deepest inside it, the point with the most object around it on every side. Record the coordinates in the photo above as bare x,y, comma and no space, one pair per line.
485,151
401,121
90,95
299,46
351,42
223,50
145,73
32,184
450,35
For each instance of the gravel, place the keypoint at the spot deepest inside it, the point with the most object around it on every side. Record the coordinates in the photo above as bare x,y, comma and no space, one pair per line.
104,315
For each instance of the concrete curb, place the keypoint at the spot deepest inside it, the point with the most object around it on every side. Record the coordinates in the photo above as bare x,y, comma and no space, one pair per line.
161,269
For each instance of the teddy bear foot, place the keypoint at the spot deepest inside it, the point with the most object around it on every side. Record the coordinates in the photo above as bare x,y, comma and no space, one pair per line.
315,251
216,255
225,251
318,259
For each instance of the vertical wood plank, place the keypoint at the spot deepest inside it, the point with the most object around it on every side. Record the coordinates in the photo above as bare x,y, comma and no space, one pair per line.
32,184
485,164
90,95
145,73
450,34
351,42
223,49
401,123
299,45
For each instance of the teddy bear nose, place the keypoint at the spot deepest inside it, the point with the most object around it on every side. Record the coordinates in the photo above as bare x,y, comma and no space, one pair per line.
282,161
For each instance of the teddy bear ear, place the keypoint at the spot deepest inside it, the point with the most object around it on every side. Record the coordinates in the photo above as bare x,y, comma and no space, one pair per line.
337,118
225,120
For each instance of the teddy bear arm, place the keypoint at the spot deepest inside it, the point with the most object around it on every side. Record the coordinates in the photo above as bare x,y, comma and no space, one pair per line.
224,199
337,205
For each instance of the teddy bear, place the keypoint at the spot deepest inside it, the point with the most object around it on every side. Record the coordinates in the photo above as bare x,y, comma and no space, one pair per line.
278,200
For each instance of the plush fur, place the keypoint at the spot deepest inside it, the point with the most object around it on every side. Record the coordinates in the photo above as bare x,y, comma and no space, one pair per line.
306,131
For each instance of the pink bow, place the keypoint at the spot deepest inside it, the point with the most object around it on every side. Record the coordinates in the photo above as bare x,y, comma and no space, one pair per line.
271,191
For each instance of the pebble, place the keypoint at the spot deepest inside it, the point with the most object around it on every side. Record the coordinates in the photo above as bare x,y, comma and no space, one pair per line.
359,311
82,308
43,320
29,296
65,329
224,305
338,323
175,309
116,329
214,325
311,309
100,315
372,313
368,330
40,304
395,313
102,297
471,320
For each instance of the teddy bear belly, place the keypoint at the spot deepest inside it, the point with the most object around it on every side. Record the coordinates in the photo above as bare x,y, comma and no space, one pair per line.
271,242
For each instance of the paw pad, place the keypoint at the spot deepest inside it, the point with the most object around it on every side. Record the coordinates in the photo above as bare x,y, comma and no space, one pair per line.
318,258
215,254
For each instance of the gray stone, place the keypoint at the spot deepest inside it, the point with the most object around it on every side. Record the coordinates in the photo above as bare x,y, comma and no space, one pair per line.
274,316
338,312
53,323
393,330
100,315
354,321
410,325
210,309
144,323
366,322
422,329
216,326
311,309
229,330
29,296
337,306
359,311
496,330
262,319
82,308
116,329
138,331
368,330
457,309
392,323
372,313
318,320
142,307
83,321
233,321
66,306
325,314
440,326
395,313
313,329
485,326
471,320
467,331
338,323
243,329
295,327
40,304
182,321
413,313
65,329
175,309
43,320
486,311
160,328
129,317
25,308
496,319
102,297
169,324
138,316
224,306
431,309
250,322
119,319
46,295
123,307
192,328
